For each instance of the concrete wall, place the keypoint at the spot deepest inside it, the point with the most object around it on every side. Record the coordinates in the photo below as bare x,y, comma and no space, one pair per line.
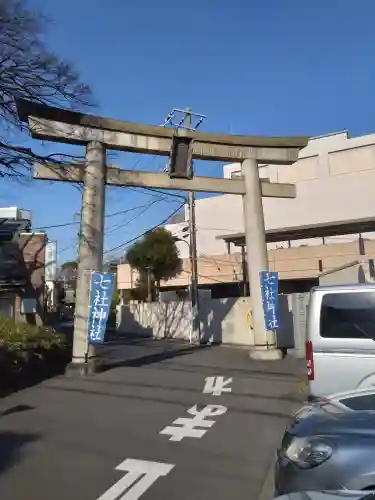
224,321
221,320
298,303
329,170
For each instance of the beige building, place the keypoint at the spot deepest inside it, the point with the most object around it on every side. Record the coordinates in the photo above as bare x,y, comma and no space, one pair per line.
330,223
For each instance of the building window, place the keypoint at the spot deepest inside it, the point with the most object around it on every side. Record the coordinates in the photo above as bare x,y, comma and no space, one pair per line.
7,307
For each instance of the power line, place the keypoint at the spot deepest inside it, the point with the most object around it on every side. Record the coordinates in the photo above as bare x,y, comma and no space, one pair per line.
174,195
156,193
121,225
186,271
65,249
145,232
126,223
111,229
121,212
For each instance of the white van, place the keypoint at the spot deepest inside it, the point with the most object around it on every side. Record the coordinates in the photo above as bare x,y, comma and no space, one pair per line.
340,338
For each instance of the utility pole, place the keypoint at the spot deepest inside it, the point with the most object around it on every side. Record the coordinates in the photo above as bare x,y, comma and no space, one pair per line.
185,121
193,251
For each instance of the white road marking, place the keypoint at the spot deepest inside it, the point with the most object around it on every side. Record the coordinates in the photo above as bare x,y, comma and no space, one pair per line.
188,425
217,385
135,469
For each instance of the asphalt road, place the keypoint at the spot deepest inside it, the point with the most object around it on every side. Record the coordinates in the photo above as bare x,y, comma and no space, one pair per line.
64,438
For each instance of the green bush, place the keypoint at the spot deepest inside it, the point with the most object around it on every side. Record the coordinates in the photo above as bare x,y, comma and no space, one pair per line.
28,351
16,336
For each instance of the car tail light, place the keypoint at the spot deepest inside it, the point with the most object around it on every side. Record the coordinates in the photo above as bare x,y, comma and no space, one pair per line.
323,401
309,360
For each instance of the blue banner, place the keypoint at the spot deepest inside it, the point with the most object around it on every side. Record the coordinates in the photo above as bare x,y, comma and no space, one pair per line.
101,292
269,289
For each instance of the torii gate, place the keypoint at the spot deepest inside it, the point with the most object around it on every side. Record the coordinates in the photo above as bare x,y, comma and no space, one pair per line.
98,134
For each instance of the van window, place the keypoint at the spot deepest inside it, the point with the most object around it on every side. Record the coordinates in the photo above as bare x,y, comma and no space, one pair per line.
359,403
348,315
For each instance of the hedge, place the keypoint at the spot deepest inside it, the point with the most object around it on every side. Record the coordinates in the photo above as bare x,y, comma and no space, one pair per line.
28,354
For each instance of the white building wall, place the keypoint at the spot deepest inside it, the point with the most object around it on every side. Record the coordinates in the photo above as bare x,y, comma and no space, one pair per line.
214,217
177,230
335,179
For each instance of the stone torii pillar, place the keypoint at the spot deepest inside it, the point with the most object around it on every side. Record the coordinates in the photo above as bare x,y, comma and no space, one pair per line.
90,251
257,260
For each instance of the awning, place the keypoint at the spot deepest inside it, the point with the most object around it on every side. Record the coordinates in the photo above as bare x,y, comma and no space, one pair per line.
326,229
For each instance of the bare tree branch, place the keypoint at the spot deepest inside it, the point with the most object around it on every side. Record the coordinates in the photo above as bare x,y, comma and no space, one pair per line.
29,70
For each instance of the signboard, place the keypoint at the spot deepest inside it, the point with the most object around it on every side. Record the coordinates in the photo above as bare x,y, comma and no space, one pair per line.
50,265
101,291
269,289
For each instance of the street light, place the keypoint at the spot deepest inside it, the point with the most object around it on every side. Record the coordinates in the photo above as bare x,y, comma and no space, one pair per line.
182,239
191,231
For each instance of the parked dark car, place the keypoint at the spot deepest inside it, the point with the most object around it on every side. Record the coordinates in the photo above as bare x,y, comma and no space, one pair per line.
324,450
328,495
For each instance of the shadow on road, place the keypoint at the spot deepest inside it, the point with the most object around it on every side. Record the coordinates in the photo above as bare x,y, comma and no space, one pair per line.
162,400
155,357
290,397
16,409
257,372
122,340
11,445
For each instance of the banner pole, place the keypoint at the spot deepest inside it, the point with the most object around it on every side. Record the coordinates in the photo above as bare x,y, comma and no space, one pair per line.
87,345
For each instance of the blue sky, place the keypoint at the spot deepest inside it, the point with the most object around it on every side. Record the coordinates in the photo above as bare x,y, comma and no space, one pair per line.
259,67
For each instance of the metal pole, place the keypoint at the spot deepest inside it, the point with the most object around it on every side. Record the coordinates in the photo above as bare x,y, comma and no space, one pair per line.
193,253
149,297
77,216
90,253
245,289
190,291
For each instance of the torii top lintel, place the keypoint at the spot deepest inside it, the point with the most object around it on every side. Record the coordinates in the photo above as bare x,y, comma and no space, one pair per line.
62,125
